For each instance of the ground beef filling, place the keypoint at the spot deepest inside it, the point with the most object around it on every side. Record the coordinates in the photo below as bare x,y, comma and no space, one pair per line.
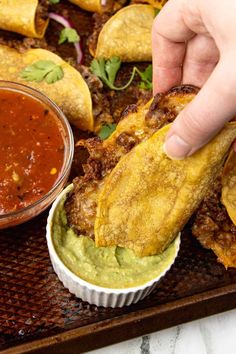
158,117
101,104
82,203
22,44
99,21
213,227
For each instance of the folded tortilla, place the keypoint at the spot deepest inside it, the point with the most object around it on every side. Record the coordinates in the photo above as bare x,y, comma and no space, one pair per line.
22,16
91,5
228,196
71,93
127,34
139,122
99,6
148,198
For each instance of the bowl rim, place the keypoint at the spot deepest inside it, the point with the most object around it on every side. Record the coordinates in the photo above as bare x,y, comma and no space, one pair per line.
84,283
27,90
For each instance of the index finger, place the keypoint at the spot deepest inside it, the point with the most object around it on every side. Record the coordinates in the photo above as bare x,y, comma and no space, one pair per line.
169,36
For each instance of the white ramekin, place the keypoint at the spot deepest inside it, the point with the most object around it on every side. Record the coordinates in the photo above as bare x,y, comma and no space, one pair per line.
91,293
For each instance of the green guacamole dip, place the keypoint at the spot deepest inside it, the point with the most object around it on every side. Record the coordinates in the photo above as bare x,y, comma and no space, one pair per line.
110,267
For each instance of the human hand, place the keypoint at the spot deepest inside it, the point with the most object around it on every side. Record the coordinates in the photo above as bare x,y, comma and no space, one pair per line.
194,42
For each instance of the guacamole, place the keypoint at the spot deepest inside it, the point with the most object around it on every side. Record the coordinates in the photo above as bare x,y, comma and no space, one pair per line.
110,267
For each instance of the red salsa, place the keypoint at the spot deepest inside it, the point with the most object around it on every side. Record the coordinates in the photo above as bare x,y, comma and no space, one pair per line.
31,150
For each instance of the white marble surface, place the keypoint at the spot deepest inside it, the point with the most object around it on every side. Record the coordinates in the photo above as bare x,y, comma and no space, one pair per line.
211,335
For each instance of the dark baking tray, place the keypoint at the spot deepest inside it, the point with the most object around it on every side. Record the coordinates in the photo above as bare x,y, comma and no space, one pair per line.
38,315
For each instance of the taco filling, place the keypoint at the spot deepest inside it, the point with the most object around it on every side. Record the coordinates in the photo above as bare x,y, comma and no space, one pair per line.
213,227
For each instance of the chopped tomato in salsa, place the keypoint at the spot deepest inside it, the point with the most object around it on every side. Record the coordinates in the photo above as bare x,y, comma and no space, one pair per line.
31,150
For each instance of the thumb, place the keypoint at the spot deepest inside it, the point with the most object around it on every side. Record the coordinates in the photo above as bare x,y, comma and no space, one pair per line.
214,105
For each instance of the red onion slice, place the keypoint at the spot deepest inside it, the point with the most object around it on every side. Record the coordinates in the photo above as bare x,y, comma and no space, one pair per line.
65,23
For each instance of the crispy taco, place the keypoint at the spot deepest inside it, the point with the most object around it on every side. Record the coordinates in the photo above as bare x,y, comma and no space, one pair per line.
27,17
69,91
148,198
90,5
137,125
126,37
99,6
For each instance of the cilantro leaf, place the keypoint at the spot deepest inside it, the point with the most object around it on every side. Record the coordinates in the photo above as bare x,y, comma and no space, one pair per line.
145,85
106,130
54,2
54,75
43,70
70,35
156,11
146,77
112,67
107,70
98,68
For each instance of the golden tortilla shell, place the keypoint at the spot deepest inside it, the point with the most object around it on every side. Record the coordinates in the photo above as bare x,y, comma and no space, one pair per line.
98,5
228,196
20,16
148,198
127,34
71,93
89,5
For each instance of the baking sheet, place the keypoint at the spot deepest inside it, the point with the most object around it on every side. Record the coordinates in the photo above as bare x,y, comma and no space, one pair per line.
34,305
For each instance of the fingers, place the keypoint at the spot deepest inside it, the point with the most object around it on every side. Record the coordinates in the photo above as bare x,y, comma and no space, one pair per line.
206,114
169,35
201,58
167,72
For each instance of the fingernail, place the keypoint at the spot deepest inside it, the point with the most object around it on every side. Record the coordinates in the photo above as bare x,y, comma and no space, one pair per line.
176,148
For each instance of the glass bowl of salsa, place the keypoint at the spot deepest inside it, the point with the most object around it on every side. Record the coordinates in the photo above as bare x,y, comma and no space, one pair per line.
36,153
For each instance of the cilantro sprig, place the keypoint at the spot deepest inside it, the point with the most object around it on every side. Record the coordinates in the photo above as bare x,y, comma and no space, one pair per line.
146,77
69,35
43,70
107,71
106,130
